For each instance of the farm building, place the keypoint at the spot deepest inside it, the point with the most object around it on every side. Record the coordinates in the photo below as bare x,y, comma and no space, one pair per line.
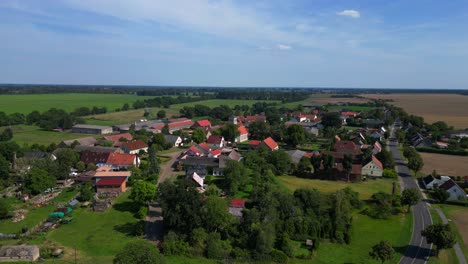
134,147
19,253
430,182
236,206
215,141
87,141
106,185
373,168
174,140
91,129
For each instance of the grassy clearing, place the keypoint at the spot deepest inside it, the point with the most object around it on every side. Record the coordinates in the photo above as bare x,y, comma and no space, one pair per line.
24,134
445,256
366,232
98,236
41,102
35,215
365,189
458,219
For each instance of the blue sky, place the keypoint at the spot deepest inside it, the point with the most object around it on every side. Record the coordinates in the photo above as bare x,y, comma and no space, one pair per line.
294,43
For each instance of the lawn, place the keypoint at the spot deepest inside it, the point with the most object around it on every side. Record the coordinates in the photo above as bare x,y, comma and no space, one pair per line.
366,232
35,215
458,219
98,236
41,102
365,189
445,256
32,134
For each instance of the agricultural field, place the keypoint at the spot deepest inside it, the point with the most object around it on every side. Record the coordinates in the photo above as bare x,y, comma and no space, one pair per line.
217,102
433,107
449,165
356,108
24,134
41,102
124,117
365,189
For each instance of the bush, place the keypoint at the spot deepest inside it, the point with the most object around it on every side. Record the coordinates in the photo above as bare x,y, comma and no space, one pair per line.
444,151
278,256
174,245
389,173
142,212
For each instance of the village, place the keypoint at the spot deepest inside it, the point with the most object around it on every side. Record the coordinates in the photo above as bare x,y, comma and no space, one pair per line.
111,159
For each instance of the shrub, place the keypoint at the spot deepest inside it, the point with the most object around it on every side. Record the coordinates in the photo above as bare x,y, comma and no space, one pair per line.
278,256
142,212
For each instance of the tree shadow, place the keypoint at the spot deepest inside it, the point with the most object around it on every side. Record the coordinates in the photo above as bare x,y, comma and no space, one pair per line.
127,206
131,229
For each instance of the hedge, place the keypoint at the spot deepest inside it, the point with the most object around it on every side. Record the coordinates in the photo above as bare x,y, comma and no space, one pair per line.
444,151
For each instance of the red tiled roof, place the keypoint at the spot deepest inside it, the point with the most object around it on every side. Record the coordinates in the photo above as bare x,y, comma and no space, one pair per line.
204,146
349,113
377,162
195,150
214,139
346,146
112,181
204,123
216,152
242,130
134,145
120,159
251,118
116,138
185,123
239,203
254,142
94,157
440,143
378,146
270,143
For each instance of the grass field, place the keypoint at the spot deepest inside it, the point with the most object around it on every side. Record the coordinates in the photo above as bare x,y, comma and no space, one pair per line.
218,102
41,102
365,189
24,134
98,236
352,107
433,107
35,215
446,256
458,217
445,164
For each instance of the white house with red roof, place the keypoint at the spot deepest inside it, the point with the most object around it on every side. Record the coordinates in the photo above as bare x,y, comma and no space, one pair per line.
372,168
243,134
216,141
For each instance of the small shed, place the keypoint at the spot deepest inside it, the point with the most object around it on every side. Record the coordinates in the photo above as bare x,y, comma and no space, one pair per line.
73,203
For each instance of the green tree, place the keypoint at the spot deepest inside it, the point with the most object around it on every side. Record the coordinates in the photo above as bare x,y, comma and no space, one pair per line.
143,192
4,169
80,166
440,195
161,114
229,131
295,135
415,164
235,176
382,251
4,209
347,165
442,236
389,173
286,245
280,160
215,214
86,192
37,181
153,165
6,134
304,167
140,251
410,197
386,158
198,136
331,119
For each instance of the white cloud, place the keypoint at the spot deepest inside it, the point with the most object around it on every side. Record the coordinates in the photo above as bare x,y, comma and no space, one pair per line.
283,47
349,13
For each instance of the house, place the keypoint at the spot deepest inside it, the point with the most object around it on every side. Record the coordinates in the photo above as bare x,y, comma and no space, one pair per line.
205,123
377,135
86,141
38,155
91,129
117,161
174,125
377,148
441,145
455,191
97,149
236,206
270,144
254,143
23,253
458,134
347,147
216,141
134,147
197,179
119,138
243,134
107,185
144,124
174,140
296,155
372,168
431,183
247,120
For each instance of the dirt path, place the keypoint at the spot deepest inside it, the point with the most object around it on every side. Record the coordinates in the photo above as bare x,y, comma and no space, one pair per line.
154,228
167,169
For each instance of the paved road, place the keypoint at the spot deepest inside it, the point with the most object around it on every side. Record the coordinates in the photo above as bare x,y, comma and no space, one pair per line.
154,220
458,251
418,250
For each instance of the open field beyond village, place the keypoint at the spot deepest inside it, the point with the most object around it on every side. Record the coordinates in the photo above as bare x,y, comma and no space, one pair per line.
450,108
449,165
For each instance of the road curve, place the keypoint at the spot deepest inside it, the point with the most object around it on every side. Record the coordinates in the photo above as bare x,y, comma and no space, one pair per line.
418,250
